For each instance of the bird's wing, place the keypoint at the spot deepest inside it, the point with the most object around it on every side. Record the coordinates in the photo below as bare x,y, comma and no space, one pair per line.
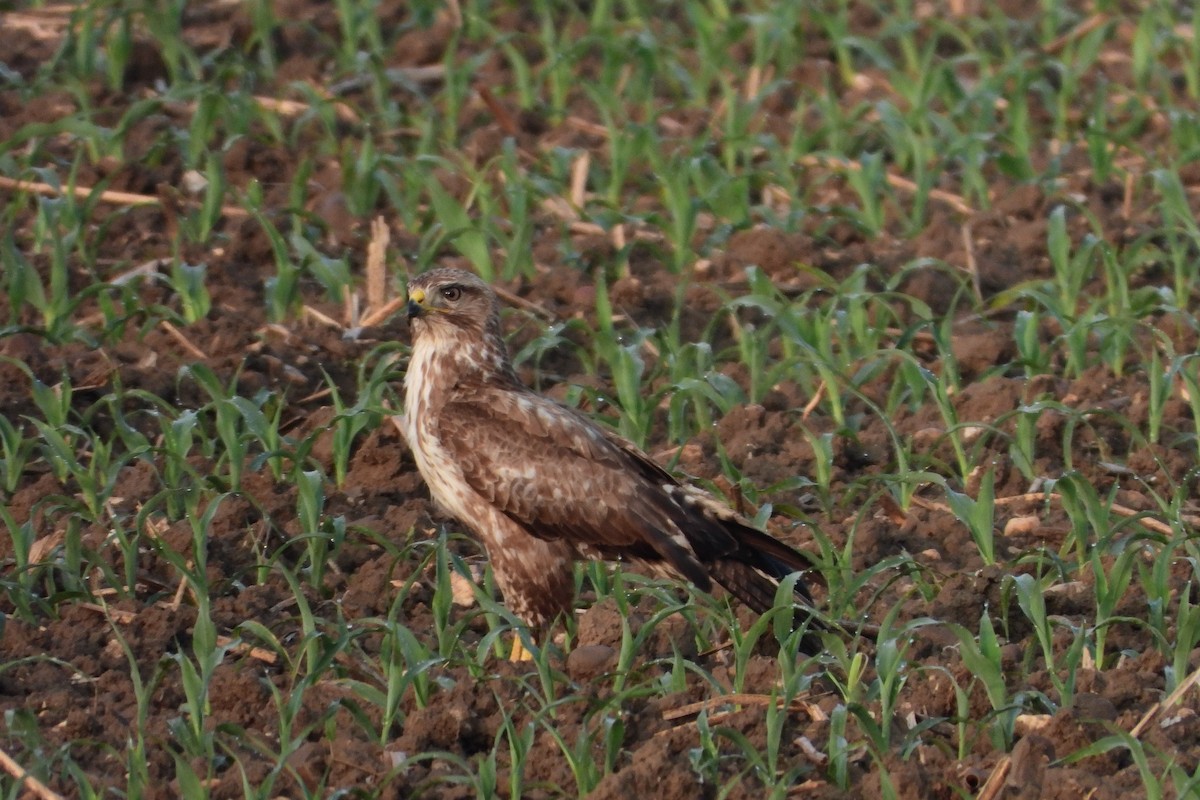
561,476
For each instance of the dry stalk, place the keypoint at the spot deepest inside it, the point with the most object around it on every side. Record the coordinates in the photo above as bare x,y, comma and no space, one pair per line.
184,342
895,181
731,699
35,786
106,196
377,288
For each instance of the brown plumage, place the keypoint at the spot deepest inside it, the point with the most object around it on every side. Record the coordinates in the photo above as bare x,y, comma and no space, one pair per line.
542,485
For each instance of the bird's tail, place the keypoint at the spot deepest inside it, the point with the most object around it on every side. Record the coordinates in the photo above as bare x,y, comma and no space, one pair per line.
752,573
748,563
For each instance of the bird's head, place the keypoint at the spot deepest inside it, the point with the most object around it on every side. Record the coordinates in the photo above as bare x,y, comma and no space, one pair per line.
452,310
450,297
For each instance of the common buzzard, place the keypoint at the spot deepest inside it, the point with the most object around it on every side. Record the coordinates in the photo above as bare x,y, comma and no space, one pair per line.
542,485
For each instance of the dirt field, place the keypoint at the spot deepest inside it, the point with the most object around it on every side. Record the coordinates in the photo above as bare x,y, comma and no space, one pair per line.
81,697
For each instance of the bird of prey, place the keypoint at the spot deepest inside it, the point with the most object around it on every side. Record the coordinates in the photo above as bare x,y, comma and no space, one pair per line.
543,485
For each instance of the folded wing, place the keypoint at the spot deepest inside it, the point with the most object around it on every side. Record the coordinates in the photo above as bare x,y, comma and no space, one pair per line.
560,475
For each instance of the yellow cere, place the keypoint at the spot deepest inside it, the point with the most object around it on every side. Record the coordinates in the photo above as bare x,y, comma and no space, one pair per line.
417,296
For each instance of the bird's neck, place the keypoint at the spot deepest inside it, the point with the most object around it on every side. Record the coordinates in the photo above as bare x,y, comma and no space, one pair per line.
443,368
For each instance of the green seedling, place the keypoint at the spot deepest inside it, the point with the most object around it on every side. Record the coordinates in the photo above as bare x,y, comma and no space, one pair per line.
978,514
264,24
1152,783
1091,526
981,656
188,282
520,741
681,204
1032,602
1111,584
1035,358
164,23
24,574
511,222
1186,371
50,297
623,359
332,273
348,423
1159,381
241,421
310,506
360,32
1181,228
282,289
1187,636
870,185
178,438
698,388
457,227
1022,445
15,452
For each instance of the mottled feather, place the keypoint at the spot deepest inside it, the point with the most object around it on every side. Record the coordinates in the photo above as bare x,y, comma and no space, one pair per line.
541,484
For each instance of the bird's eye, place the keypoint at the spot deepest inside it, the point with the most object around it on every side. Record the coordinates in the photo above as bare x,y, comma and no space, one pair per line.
452,293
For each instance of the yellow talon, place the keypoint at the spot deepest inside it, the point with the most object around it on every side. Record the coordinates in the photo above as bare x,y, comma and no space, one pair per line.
519,651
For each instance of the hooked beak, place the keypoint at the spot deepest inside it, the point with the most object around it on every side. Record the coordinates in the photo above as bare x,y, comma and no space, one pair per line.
416,303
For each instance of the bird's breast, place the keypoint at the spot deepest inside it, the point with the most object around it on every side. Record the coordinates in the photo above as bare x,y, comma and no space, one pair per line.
425,391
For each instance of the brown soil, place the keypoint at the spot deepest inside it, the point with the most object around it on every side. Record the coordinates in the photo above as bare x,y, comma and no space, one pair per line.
69,673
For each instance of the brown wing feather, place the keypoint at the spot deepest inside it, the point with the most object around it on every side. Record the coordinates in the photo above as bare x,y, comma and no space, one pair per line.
562,476
542,484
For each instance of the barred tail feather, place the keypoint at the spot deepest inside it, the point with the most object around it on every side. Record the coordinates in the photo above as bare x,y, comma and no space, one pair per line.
749,563
750,585
754,571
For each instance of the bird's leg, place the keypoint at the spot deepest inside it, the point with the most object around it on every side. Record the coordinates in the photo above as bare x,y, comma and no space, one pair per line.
519,651
539,637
